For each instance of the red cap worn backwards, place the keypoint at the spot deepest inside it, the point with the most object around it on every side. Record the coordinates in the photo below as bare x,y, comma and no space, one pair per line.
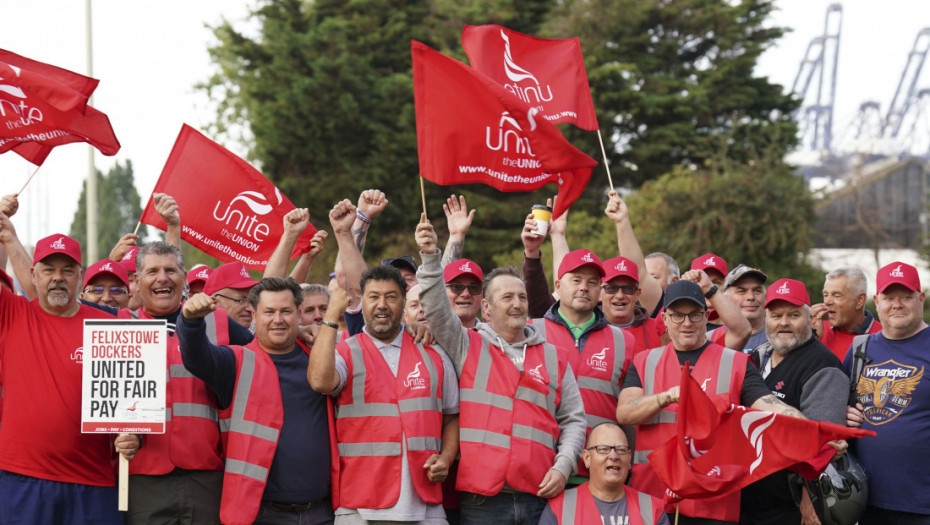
461,267
620,267
106,266
579,258
57,243
229,275
709,260
898,273
787,290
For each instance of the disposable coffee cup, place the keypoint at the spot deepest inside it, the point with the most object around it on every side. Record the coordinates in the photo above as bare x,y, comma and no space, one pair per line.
542,214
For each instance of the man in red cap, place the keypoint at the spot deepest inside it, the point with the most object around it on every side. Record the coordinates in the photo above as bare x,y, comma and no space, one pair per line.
619,294
197,279
894,395
106,282
713,265
229,284
49,471
803,373
463,287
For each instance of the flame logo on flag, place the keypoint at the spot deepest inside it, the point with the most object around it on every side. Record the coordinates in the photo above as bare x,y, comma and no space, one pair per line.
761,421
256,201
514,72
16,91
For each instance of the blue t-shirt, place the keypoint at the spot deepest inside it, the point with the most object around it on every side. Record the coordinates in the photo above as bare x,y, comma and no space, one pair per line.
896,397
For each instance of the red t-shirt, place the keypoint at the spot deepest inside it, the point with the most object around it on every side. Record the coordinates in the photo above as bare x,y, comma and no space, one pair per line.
839,341
40,435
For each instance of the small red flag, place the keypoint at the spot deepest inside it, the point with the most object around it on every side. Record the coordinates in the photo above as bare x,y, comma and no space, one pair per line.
546,73
228,209
722,448
470,129
43,106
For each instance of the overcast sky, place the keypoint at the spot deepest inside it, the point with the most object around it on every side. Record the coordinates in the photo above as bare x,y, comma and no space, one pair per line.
149,55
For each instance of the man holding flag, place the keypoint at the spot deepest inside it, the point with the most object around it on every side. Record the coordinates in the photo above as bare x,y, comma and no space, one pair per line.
652,388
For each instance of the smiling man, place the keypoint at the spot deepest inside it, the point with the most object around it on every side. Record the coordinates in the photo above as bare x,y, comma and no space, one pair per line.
463,287
605,498
745,286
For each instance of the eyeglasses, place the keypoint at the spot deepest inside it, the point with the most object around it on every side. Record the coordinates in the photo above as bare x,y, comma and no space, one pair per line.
473,289
237,301
115,291
612,289
603,450
694,317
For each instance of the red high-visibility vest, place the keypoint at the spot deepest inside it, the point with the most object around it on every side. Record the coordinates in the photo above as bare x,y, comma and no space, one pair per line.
577,506
507,426
192,434
375,410
599,368
720,372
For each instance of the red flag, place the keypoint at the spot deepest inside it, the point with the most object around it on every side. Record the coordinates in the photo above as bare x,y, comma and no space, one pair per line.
43,106
228,209
547,73
722,448
470,129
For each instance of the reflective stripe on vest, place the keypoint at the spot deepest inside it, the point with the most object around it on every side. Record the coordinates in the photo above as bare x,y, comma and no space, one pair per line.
237,422
645,508
724,371
478,394
569,506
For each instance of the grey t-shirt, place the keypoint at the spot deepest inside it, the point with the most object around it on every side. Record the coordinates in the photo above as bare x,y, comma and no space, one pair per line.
612,513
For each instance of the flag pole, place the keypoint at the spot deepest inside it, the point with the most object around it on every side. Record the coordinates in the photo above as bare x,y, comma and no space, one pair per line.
29,179
423,195
138,225
604,154
676,513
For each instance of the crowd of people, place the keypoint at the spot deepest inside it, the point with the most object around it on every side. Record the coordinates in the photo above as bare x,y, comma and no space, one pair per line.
442,392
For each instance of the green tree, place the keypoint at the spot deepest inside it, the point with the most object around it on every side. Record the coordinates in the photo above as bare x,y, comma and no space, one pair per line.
118,210
669,78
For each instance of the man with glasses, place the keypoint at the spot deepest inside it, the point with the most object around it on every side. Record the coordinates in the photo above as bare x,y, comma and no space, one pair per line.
230,284
463,288
605,498
106,282
651,388
619,294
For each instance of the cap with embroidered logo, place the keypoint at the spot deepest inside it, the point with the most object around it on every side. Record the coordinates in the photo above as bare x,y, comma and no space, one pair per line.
229,275
620,267
461,267
897,273
104,267
199,274
788,290
129,260
57,243
579,258
709,260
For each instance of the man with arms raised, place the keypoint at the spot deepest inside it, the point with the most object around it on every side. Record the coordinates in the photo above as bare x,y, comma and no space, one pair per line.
49,471
522,420
273,421
397,409
651,387
894,394
605,498
842,314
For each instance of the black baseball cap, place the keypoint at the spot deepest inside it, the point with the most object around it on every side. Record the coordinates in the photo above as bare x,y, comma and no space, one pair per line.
684,290
403,262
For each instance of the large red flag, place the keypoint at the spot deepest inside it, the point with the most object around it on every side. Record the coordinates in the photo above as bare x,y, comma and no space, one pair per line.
43,106
228,209
470,129
546,73
721,448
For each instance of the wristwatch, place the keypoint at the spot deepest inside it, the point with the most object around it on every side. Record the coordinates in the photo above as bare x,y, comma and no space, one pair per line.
711,291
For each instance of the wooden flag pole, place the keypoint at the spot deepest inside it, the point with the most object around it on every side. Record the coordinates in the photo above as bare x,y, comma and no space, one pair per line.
29,179
423,195
123,483
676,513
138,225
604,154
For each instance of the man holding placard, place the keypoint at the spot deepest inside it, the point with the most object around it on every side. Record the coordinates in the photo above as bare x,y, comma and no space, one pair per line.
49,471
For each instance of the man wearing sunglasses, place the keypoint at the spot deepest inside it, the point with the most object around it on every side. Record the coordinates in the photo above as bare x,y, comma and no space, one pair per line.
463,288
651,387
605,498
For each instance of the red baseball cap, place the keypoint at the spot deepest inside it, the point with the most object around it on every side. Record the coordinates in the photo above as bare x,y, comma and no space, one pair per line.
129,260
898,273
620,267
57,243
199,273
462,267
229,275
106,266
579,258
709,260
787,290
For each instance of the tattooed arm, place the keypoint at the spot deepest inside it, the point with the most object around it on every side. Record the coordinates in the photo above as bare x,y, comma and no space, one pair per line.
773,404
370,204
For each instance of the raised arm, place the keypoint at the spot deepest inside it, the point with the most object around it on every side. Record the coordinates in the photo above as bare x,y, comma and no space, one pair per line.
370,204
167,208
22,263
295,222
302,268
321,370
458,219
341,218
617,212
560,247
534,275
